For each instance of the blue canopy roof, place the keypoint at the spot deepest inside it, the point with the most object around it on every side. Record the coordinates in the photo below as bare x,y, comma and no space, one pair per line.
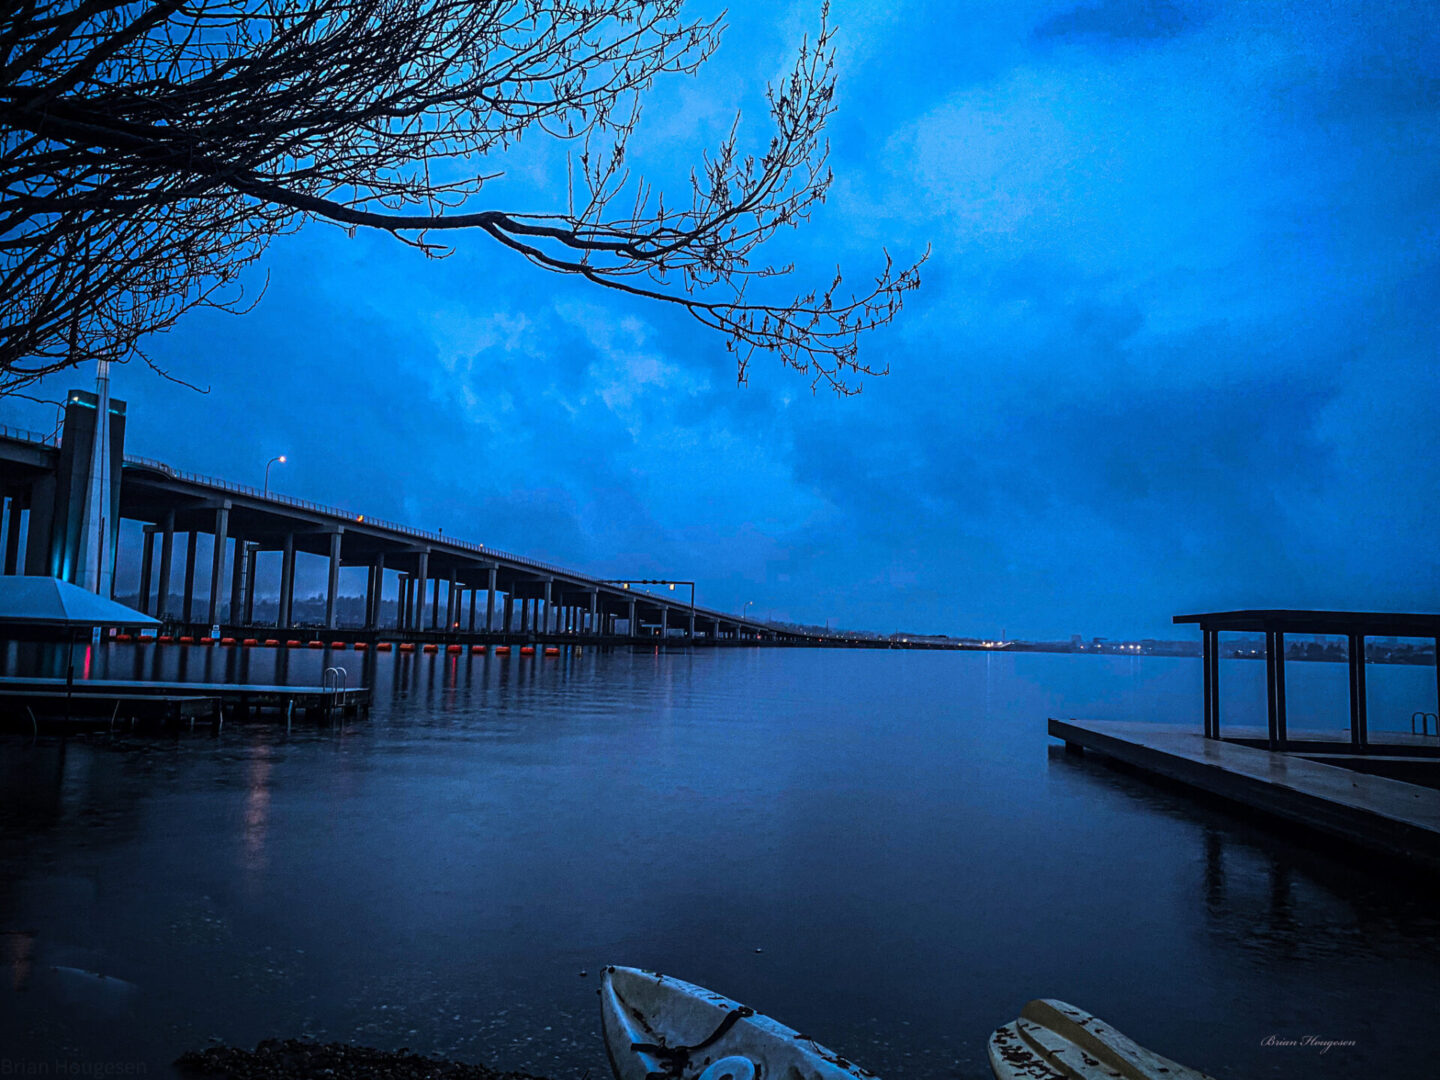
50,602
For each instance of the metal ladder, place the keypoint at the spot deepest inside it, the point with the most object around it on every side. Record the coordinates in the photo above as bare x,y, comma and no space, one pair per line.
340,686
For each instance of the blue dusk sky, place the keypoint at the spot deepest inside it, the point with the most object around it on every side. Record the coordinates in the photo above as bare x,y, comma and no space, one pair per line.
1175,347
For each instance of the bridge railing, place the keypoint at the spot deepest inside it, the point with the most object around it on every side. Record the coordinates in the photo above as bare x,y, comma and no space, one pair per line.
25,435
349,516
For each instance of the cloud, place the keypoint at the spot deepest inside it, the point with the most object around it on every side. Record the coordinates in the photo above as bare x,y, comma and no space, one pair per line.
1126,20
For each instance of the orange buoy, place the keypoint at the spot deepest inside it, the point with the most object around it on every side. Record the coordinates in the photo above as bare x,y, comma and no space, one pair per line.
361,646
123,637
292,644
252,641
227,641
502,650
477,648
207,641
383,646
186,639
552,650
164,639
407,646
527,650
271,642
337,644
315,644
454,648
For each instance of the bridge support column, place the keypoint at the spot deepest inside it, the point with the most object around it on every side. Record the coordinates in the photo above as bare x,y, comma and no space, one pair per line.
634,627
167,558
549,610
594,613
287,583
690,627
664,621
147,557
336,538
188,604
402,603
524,616
217,563
417,584
376,594
237,582
474,597
508,614
40,529
449,603
12,536
490,600
250,556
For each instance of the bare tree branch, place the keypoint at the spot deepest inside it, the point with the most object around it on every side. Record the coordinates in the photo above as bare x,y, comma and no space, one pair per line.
149,152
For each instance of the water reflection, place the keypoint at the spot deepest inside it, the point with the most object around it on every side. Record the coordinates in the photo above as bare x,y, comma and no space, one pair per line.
888,828
257,808
1270,888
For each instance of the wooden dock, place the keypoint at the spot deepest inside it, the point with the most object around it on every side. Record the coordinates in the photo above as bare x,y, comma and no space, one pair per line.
235,699
54,710
1390,817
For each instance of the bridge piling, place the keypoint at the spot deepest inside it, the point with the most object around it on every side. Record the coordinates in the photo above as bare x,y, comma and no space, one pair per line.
167,558
287,583
217,562
333,584
12,536
146,558
192,538
252,552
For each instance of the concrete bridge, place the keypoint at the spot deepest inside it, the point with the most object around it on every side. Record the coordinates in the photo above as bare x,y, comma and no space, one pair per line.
446,586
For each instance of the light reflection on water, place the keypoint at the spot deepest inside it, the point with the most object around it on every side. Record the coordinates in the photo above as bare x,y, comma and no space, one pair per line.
892,832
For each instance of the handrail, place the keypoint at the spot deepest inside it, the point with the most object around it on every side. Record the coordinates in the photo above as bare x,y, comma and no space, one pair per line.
26,435
342,683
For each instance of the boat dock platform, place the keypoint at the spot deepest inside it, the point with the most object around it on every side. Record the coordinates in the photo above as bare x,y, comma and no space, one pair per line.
116,699
32,710
1389,817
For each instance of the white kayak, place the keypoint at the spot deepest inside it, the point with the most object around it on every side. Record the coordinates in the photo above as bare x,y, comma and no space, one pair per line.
1056,1041
659,1028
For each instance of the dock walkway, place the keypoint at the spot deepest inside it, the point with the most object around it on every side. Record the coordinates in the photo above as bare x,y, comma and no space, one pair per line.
1390,817
235,698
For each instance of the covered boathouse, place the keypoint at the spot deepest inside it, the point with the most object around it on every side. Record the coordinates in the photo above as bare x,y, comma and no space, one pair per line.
1379,792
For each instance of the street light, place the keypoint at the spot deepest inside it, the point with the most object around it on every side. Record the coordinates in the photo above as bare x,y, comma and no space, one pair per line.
746,609
272,461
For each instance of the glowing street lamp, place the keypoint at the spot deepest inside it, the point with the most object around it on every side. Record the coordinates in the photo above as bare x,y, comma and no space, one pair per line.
272,461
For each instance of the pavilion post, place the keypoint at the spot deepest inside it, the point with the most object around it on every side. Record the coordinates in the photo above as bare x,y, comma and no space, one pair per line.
1206,660
1359,723
1281,724
1210,640
1275,687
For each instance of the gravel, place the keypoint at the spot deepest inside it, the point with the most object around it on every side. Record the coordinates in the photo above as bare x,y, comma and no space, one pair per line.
300,1059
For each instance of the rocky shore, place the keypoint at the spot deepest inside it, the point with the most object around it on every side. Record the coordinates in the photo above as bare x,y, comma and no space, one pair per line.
300,1059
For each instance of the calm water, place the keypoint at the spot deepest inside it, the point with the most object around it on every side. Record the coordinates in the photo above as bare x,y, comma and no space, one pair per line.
881,849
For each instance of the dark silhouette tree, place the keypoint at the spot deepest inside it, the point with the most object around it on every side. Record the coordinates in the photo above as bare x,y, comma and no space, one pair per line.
151,150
